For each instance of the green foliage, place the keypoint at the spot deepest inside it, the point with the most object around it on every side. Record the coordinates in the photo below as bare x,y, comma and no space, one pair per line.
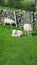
1,2
5,2
30,6
19,4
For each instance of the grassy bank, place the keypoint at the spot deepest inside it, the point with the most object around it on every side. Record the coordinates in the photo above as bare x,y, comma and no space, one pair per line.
17,51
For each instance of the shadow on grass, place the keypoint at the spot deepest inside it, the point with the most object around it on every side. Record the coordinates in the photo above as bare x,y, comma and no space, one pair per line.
34,34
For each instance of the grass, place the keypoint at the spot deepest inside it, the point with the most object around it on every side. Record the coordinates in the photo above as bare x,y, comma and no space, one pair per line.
17,51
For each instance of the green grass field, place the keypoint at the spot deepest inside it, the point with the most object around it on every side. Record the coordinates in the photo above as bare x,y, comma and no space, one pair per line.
17,51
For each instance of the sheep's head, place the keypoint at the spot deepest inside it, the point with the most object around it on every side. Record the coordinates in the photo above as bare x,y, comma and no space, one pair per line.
15,31
2,20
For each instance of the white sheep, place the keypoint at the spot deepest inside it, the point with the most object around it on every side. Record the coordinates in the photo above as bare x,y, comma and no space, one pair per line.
8,21
17,33
28,29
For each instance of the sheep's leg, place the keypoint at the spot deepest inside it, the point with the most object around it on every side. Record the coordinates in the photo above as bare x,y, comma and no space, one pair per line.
25,32
4,24
10,24
16,25
30,33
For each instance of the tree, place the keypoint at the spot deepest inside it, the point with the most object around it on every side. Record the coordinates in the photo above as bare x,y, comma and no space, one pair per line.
1,2
14,3
5,2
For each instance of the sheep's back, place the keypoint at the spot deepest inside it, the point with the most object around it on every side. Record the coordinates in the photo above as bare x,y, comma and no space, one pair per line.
27,27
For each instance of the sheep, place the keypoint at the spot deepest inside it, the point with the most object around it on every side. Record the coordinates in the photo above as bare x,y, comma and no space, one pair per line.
28,29
8,21
17,33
